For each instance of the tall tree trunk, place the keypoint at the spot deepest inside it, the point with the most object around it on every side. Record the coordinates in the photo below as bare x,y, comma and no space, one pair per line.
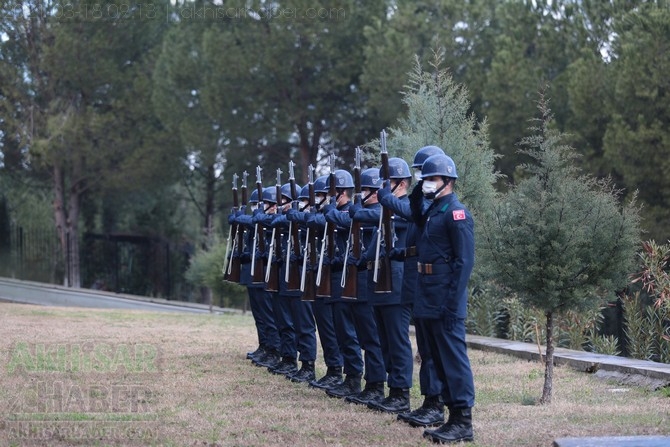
208,227
66,215
549,361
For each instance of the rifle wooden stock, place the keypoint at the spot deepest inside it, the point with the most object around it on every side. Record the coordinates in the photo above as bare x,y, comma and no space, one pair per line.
274,256
324,289
309,290
384,275
351,271
293,267
258,272
238,241
232,271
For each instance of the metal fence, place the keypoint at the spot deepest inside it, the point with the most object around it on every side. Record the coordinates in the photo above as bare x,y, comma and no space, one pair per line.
122,263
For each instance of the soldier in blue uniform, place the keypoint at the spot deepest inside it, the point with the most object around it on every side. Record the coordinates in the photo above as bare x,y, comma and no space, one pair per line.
301,311
281,304
323,307
361,309
260,301
341,311
392,310
431,412
446,250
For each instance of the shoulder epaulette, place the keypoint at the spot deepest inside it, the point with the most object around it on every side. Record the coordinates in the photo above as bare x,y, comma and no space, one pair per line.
444,208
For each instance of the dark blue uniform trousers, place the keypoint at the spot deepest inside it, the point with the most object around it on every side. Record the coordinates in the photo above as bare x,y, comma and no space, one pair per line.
305,328
261,305
285,326
323,314
393,327
429,383
368,337
445,338
347,340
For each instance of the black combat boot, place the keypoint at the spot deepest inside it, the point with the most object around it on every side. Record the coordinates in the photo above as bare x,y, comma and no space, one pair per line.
269,359
288,365
396,402
256,353
332,378
457,429
304,374
373,392
350,386
430,414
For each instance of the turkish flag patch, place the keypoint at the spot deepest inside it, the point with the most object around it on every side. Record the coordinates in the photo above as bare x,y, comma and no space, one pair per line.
459,214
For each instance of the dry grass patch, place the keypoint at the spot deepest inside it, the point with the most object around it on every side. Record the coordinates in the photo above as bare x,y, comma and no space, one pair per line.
182,380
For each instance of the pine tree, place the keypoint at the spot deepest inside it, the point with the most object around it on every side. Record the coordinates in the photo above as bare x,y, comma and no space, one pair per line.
437,114
559,239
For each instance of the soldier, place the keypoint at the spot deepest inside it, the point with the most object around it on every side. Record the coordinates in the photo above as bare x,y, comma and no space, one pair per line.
363,314
342,314
260,301
300,311
282,306
446,251
431,412
393,310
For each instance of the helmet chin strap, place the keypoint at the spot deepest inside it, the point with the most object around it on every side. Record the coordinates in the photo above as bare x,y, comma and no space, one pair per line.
395,187
432,195
364,199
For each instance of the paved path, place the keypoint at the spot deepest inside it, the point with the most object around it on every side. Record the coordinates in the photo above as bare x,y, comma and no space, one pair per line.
52,295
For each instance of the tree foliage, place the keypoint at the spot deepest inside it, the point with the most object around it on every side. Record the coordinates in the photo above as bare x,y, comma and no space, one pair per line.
438,114
560,239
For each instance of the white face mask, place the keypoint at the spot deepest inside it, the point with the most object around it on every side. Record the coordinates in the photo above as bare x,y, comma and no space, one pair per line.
254,207
428,187
303,205
417,175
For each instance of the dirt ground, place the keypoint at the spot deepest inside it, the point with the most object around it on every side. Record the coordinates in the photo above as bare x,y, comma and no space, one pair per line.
130,378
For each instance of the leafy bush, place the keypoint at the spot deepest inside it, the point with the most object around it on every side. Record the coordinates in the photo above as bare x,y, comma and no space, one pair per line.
206,269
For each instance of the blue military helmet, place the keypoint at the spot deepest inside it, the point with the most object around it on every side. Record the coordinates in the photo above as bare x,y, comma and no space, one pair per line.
370,178
439,164
342,179
423,153
254,196
286,191
398,168
270,194
304,193
320,185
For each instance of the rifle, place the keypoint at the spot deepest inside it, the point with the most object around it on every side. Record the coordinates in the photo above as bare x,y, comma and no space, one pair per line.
350,278
383,277
259,236
307,285
292,275
328,241
229,272
272,270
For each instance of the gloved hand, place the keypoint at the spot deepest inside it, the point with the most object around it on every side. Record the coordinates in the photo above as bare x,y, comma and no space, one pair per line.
397,254
312,222
329,207
416,203
353,208
295,259
384,191
292,215
231,218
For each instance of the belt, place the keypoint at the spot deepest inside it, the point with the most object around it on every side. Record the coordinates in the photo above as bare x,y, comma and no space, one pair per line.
426,269
410,251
